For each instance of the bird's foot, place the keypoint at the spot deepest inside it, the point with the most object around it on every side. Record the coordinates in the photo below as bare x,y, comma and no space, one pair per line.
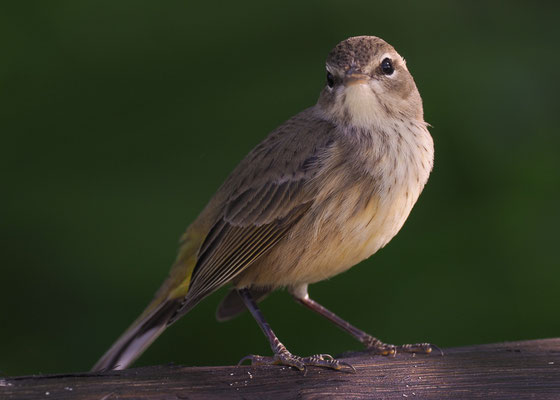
378,347
288,359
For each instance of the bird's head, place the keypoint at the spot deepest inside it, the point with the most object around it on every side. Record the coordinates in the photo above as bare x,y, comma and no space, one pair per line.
368,83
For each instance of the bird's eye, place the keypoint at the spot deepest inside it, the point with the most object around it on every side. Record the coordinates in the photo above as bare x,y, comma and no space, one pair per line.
330,80
387,66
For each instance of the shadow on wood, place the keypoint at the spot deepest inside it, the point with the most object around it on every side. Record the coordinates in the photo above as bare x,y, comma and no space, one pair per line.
529,369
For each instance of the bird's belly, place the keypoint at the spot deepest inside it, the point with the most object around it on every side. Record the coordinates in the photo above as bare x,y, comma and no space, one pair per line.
359,237
325,245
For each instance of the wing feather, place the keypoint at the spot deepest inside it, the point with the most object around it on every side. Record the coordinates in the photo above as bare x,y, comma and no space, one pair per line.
222,267
264,197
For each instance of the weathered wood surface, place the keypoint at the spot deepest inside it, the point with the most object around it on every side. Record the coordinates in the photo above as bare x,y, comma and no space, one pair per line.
516,370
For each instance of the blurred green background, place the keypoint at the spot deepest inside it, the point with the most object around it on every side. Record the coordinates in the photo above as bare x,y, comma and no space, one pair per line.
120,119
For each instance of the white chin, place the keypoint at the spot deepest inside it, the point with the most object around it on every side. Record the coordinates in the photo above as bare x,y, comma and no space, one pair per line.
362,105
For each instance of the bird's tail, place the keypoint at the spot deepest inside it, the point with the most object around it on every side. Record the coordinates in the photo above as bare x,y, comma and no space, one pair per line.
138,337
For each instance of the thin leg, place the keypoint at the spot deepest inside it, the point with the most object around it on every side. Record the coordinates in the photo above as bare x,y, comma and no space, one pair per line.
281,355
369,341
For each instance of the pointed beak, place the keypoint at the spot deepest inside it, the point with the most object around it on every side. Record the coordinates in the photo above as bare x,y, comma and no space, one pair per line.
354,77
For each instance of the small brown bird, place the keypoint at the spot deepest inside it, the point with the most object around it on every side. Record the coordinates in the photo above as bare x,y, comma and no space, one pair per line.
324,191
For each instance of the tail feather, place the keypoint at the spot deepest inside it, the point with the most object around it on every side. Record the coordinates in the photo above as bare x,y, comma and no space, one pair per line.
138,337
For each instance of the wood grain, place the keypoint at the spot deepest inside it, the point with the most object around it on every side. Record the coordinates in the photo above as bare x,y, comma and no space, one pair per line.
516,370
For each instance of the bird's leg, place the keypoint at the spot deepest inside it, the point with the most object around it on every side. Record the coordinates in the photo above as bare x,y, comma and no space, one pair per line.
281,355
369,341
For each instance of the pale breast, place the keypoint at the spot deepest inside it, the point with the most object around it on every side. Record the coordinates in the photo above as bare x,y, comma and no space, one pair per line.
352,217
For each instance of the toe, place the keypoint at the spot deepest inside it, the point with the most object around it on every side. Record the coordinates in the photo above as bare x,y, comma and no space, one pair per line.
289,360
384,349
301,363
425,348
326,361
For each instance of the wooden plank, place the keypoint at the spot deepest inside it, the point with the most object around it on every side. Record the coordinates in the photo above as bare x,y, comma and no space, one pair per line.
517,370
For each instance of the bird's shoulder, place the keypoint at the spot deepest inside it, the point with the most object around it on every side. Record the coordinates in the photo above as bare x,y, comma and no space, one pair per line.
277,171
286,151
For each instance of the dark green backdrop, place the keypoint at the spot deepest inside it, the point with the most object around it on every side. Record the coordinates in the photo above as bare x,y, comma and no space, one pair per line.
119,119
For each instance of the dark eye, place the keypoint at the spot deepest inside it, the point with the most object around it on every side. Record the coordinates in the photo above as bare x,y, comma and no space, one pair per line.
330,80
387,66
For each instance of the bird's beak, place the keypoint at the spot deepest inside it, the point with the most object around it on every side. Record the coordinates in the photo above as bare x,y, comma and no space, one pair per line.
355,78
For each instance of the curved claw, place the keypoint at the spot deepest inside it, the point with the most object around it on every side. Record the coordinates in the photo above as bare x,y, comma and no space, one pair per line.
256,360
347,364
434,347
249,357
